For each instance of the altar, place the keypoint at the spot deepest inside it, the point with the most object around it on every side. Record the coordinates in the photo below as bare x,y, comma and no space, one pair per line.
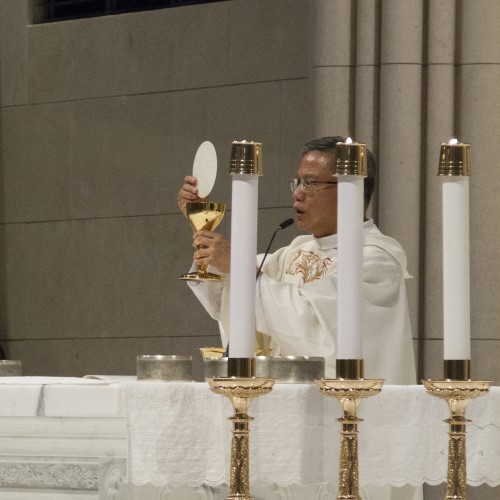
117,438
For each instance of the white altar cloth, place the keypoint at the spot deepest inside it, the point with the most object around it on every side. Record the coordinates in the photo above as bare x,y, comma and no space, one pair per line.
179,434
63,438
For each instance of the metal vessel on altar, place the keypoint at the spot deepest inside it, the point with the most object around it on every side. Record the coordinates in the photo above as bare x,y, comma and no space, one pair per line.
160,367
11,368
284,369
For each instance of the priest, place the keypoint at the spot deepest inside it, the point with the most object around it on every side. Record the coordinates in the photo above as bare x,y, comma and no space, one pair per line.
296,291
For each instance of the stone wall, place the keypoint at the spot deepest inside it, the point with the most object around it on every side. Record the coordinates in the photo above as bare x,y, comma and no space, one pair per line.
101,118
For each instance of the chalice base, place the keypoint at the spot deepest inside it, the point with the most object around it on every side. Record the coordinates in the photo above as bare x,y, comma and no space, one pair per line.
201,277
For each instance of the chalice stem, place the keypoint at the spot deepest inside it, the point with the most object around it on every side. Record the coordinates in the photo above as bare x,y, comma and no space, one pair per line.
202,272
202,268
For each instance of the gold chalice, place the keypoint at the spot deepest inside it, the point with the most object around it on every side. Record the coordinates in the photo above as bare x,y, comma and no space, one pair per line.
204,215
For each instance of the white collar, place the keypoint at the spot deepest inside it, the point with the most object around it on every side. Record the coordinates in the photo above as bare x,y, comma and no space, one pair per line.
330,241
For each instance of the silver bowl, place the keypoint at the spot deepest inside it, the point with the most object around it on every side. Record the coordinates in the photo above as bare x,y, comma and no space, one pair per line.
292,369
284,369
215,367
10,368
160,367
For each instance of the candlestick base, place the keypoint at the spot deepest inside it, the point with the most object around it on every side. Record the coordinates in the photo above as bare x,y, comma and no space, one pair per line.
349,392
240,391
457,393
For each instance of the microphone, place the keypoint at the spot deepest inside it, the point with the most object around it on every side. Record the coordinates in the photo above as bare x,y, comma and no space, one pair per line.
286,223
281,226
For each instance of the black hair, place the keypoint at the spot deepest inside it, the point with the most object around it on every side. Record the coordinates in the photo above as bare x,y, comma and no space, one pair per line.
327,145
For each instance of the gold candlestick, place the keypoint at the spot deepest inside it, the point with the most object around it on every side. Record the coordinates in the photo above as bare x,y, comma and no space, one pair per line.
240,387
457,393
349,388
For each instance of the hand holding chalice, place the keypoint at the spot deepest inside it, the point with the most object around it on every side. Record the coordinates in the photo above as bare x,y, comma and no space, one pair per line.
203,215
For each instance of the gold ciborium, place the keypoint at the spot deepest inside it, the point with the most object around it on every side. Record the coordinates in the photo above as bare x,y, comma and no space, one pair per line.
204,215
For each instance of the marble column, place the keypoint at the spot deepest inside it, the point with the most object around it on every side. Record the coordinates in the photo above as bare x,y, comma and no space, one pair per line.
400,148
366,98
478,123
439,127
332,66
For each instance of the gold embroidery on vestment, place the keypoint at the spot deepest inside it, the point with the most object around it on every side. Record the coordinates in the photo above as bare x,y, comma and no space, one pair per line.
309,266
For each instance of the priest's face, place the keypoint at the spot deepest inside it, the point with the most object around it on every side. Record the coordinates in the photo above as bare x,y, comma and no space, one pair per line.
315,203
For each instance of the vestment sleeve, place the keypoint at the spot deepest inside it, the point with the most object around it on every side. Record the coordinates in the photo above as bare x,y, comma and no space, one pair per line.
208,293
382,278
301,320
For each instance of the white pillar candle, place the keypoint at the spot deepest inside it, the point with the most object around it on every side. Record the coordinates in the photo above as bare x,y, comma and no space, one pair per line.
456,264
242,277
350,265
456,276
350,167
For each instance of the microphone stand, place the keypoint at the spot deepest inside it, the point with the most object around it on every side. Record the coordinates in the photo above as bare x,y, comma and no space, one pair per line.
281,226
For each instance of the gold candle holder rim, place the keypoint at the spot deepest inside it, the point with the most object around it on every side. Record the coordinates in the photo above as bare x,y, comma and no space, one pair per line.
350,159
454,160
241,382
476,385
457,381
362,388
246,158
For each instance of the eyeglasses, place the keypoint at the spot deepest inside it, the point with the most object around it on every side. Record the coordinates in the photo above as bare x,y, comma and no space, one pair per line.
308,185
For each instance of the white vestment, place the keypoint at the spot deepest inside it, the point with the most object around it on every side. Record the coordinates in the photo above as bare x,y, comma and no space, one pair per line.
296,304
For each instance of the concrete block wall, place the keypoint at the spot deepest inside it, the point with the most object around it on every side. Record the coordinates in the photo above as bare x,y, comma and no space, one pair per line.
100,122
